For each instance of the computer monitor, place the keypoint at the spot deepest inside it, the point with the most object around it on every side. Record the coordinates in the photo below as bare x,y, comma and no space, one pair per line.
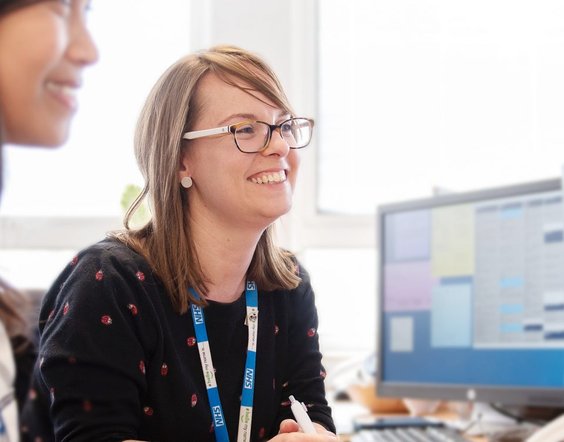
471,296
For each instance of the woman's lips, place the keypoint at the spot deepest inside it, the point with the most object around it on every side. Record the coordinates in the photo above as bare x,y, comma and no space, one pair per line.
65,93
269,177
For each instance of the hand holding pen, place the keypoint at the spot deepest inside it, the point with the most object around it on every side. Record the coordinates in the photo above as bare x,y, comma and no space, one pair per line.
299,411
309,430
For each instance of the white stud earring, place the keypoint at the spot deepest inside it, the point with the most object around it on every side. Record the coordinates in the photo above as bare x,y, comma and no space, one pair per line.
186,182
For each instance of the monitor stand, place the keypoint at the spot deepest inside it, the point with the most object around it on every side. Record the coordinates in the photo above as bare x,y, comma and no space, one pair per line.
485,420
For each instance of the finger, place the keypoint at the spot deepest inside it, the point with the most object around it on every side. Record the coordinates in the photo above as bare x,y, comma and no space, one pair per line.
288,426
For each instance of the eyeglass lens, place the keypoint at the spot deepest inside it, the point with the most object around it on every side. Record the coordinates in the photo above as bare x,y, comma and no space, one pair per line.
253,136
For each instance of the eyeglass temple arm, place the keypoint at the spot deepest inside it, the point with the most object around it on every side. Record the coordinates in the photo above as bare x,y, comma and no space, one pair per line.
205,133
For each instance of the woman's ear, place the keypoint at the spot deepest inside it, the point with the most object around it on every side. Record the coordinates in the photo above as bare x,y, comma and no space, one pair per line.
184,170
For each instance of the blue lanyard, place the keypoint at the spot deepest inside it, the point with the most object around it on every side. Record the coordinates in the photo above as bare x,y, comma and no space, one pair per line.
246,410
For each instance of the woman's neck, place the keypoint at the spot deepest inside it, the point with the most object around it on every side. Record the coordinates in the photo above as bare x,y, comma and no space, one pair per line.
225,255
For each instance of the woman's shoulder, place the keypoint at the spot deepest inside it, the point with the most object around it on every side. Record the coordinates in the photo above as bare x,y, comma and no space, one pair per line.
303,274
109,256
296,305
107,276
108,267
299,268
303,290
110,250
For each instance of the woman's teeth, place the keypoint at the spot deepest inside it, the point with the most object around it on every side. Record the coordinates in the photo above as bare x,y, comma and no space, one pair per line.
269,178
65,90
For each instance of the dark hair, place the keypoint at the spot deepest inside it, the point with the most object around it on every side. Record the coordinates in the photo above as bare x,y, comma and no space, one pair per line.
9,5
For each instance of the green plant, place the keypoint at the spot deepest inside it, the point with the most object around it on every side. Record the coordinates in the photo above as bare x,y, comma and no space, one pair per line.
142,215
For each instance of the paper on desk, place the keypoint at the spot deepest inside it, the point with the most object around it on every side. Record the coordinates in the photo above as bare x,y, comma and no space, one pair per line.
344,413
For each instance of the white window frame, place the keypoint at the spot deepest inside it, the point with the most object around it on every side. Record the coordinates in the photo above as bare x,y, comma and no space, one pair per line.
54,233
311,227
304,227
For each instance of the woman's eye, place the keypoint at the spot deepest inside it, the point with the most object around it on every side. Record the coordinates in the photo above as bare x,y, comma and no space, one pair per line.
60,7
287,127
246,130
86,5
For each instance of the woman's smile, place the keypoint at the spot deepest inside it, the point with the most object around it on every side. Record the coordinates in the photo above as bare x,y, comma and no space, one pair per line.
269,177
65,92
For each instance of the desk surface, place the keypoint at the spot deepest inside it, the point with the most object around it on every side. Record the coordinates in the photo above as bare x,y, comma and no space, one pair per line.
345,412
347,438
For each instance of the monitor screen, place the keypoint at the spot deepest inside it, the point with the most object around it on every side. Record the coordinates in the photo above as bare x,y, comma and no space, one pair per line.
471,296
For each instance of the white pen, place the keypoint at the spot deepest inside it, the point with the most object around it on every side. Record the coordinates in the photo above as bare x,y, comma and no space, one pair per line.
300,413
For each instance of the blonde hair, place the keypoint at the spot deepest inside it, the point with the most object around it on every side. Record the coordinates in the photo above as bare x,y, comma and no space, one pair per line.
169,111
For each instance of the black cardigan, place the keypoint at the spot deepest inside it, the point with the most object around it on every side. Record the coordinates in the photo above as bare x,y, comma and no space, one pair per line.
116,362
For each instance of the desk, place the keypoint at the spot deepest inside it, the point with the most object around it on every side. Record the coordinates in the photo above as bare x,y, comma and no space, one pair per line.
345,411
347,438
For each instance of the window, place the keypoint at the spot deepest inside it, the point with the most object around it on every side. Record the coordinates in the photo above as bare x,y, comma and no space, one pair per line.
56,202
416,97
422,95
408,96
87,176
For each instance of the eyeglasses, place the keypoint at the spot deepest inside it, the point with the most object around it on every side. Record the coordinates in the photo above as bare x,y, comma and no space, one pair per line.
254,136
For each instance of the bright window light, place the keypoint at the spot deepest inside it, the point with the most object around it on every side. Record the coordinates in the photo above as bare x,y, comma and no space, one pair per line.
417,95
137,41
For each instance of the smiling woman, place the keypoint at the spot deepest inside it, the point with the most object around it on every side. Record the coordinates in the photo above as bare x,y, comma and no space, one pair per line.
43,50
116,339
57,201
229,190
44,46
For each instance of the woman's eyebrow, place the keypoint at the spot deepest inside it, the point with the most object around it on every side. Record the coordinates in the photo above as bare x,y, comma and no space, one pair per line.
246,116
242,116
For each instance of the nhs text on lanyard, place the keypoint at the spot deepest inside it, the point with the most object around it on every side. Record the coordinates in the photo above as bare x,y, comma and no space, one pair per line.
246,411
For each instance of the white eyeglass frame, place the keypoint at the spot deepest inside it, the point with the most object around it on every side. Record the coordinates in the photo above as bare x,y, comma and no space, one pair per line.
195,134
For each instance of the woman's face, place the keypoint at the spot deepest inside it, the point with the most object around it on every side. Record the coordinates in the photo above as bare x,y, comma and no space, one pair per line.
226,186
43,49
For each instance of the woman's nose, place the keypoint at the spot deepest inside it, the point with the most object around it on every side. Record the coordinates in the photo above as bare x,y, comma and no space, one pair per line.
82,49
277,145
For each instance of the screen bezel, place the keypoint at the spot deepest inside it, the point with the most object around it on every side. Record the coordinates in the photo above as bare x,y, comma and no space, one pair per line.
514,395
